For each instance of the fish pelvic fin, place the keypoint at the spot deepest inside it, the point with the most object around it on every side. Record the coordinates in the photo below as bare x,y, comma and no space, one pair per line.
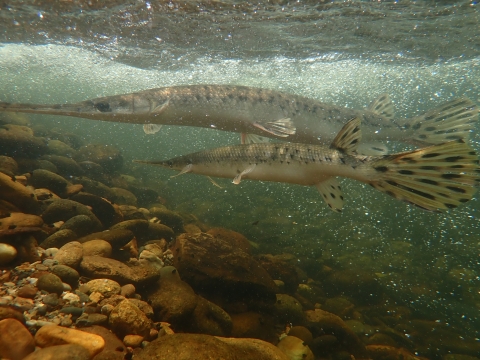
151,129
332,193
434,178
451,121
282,127
382,105
348,137
238,178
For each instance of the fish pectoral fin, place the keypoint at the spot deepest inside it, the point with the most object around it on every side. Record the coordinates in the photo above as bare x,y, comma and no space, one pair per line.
382,105
185,170
238,178
348,137
332,193
253,139
158,109
282,127
151,129
372,149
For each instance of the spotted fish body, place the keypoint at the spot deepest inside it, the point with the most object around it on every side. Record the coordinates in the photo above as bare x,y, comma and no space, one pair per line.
435,178
266,113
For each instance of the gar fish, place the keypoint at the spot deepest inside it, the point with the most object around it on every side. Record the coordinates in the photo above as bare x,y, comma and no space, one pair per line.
434,178
264,112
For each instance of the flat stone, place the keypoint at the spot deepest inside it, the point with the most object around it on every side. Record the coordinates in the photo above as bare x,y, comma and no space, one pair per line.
16,342
56,335
66,166
138,227
102,208
42,178
18,195
58,239
60,352
213,266
206,347
63,210
70,254
167,217
80,225
95,187
117,238
98,267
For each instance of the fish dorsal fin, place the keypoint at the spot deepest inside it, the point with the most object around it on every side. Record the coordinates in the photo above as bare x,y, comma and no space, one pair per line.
151,128
332,193
382,105
348,137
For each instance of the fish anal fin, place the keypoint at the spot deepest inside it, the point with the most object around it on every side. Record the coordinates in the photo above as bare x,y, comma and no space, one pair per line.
151,129
282,127
185,170
332,193
348,137
253,139
382,105
238,178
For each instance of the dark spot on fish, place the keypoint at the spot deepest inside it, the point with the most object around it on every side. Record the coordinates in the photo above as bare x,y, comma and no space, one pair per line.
450,206
341,197
430,155
429,181
428,167
391,182
464,200
453,158
417,126
332,195
430,128
453,137
356,129
451,176
422,136
388,192
103,107
381,168
406,172
456,189
57,106
472,153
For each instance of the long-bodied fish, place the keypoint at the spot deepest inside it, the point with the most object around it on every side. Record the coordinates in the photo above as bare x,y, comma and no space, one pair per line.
264,112
434,178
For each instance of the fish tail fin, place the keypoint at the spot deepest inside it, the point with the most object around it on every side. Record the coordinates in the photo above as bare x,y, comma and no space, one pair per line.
434,178
451,121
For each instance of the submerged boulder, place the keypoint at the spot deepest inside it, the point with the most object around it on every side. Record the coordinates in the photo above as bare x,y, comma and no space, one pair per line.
107,156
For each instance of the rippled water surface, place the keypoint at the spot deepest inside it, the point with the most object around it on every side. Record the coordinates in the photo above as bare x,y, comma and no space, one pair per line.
422,53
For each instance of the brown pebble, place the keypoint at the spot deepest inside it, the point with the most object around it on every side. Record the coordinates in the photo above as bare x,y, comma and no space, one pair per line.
16,342
27,291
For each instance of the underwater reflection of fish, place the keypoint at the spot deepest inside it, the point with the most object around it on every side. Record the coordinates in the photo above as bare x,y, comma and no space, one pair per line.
434,178
263,112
